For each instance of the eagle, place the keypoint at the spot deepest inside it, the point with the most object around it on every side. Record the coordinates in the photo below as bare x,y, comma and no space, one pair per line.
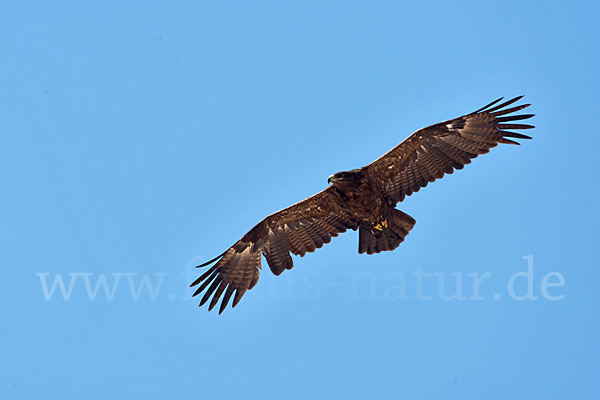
363,199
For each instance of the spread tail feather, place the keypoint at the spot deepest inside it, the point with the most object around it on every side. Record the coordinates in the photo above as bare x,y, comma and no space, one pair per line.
386,234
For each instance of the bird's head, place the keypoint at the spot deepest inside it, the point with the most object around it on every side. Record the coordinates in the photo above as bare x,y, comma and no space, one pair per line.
346,180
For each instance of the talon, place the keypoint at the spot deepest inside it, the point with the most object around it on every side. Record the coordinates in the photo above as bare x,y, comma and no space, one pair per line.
381,225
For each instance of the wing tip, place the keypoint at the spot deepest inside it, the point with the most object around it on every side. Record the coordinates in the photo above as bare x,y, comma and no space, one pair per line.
211,261
508,141
493,106
488,105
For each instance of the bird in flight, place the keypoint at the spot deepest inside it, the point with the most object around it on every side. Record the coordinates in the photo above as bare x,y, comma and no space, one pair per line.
363,199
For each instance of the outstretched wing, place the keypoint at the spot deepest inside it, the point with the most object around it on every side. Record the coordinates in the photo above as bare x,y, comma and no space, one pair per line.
301,228
431,152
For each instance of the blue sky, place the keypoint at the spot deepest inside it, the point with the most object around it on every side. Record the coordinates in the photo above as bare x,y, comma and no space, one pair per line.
141,138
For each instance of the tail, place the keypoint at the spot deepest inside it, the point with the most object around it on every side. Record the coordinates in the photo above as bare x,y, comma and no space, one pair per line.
386,234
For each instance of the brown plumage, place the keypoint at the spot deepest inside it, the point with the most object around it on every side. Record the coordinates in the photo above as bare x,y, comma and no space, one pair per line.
361,199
